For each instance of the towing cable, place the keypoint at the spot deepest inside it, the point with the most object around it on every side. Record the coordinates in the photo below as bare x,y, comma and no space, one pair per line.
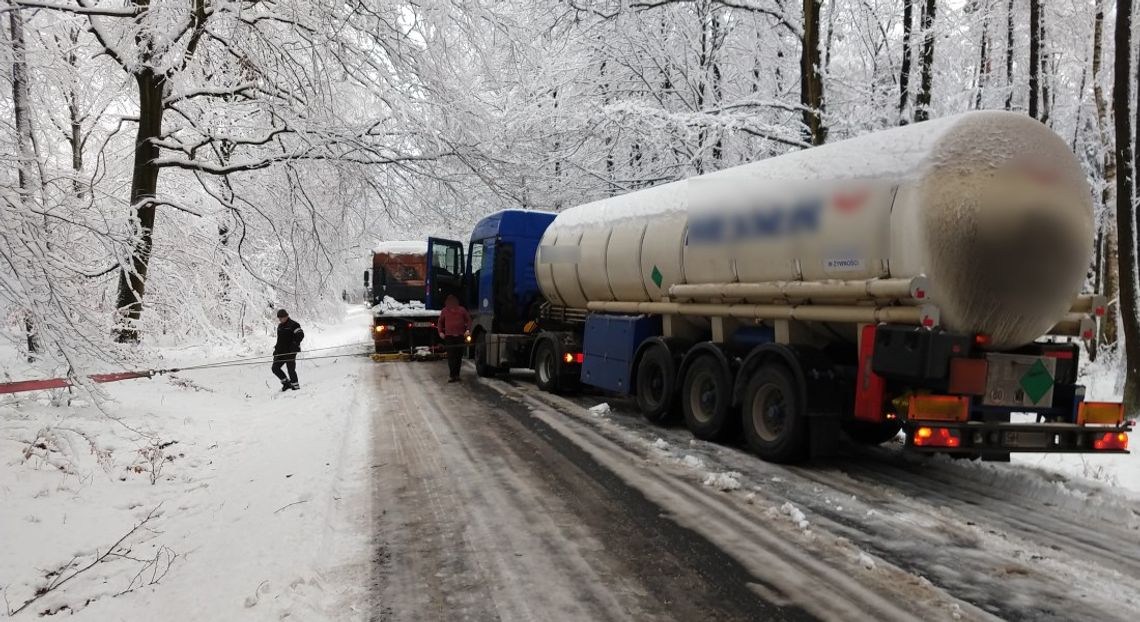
21,386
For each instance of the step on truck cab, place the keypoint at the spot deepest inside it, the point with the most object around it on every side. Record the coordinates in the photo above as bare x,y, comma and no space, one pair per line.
923,279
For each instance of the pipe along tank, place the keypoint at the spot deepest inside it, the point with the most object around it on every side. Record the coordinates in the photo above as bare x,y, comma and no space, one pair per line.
990,206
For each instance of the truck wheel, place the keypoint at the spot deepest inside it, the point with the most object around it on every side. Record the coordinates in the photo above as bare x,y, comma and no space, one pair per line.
867,433
656,385
482,369
546,372
775,424
705,400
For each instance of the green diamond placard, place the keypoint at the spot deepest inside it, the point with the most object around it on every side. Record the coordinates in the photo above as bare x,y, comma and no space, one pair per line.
656,276
1036,382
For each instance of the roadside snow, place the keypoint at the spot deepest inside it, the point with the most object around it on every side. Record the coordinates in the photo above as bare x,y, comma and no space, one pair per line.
726,481
795,514
226,498
600,410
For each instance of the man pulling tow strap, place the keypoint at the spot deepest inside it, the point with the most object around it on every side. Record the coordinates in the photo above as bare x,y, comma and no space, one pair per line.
289,336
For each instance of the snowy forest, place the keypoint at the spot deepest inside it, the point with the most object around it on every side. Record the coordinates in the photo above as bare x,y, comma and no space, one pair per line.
178,169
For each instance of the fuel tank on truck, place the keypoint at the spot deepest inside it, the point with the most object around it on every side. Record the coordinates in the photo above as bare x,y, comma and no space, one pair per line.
990,206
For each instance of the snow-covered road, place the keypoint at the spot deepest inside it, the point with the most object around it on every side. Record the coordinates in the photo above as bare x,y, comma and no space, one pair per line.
486,512
381,492
497,501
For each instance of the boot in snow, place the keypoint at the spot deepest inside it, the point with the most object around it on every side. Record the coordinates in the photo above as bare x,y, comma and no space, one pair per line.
296,386
285,386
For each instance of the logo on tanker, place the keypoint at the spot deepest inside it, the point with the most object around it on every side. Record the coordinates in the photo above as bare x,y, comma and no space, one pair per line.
768,222
772,221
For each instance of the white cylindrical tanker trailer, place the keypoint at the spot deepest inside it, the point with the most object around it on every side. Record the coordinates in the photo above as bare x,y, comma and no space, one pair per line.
902,279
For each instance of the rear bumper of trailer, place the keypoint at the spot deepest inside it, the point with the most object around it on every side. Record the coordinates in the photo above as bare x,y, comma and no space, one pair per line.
975,437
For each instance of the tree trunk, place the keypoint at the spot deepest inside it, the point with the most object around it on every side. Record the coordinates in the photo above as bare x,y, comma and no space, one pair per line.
1109,266
811,80
1125,212
922,102
75,139
24,151
983,56
1009,56
1034,58
1044,70
904,74
144,185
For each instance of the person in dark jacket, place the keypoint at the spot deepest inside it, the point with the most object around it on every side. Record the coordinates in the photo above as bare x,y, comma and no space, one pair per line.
454,328
289,336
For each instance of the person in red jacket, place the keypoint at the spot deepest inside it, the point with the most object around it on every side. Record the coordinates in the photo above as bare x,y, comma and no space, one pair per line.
454,328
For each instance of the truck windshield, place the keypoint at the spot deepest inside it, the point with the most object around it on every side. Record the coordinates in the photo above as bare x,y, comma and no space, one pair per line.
400,269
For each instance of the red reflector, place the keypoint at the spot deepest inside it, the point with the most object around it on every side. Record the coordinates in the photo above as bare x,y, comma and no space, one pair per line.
579,357
1111,441
968,376
936,437
928,322
1087,335
1060,354
1099,312
982,340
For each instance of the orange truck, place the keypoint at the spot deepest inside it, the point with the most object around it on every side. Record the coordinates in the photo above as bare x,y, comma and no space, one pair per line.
397,290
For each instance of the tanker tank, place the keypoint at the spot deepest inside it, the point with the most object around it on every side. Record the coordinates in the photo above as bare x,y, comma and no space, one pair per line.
991,207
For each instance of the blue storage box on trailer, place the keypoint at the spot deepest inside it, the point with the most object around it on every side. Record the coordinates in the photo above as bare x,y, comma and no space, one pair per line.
608,346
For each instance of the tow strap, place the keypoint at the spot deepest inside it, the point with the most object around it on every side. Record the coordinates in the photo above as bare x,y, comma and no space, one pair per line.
21,386
59,383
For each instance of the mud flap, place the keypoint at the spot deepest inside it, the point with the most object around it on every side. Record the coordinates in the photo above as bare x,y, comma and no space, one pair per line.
824,435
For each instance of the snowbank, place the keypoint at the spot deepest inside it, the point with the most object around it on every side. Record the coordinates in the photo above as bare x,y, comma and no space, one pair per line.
206,495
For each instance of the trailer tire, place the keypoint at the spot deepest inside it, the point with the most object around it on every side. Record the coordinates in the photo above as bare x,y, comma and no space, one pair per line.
772,413
546,372
656,385
867,433
706,400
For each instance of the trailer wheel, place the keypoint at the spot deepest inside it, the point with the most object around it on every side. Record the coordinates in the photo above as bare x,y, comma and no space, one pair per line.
656,385
867,433
705,400
775,424
546,372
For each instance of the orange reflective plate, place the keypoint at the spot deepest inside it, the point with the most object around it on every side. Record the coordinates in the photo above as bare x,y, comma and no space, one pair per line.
1100,413
938,408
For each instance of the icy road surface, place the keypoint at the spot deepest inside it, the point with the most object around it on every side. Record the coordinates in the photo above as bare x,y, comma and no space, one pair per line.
496,501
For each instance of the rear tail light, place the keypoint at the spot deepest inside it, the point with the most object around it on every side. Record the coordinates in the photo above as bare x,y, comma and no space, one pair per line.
936,437
938,408
573,357
1100,413
1111,441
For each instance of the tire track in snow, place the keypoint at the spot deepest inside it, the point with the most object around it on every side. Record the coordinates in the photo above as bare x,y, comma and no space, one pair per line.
825,582
545,535
984,556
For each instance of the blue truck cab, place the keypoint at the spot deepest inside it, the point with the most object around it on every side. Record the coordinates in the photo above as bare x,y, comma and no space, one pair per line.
494,276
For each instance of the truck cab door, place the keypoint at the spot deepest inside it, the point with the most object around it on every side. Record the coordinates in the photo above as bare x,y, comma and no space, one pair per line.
444,271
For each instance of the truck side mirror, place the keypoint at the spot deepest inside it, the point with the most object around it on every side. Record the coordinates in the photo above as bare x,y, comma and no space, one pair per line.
366,278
